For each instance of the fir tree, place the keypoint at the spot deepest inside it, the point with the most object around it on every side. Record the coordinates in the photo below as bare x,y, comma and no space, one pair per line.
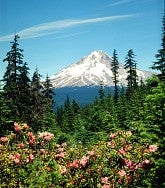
37,100
101,90
114,68
130,66
160,63
24,93
15,80
48,94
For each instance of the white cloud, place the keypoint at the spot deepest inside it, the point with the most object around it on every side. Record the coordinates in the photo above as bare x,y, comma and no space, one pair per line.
55,27
120,2
70,35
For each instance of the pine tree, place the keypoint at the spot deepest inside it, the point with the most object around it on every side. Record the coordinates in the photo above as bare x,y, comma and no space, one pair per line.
130,66
37,100
24,93
75,107
48,94
160,63
101,90
114,68
14,79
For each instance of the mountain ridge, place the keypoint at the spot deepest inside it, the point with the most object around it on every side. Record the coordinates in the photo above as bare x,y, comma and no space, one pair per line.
91,70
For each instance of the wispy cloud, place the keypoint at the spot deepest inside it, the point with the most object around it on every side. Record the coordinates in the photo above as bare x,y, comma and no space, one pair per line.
70,35
55,27
120,2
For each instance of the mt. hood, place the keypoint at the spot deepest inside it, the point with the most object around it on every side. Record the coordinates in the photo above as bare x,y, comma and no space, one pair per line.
91,71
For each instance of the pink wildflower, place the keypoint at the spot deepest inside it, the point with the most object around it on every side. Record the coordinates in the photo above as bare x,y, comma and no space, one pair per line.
60,149
147,161
42,151
112,144
11,157
74,164
30,134
91,153
21,145
4,139
16,160
31,137
153,148
128,147
30,158
46,135
25,126
17,127
61,155
104,180
31,141
84,161
64,144
122,173
131,165
112,135
122,151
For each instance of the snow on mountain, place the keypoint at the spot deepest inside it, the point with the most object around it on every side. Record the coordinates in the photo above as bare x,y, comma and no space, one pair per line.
91,71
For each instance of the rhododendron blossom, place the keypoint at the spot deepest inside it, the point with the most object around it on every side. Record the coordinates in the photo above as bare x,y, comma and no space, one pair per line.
60,155
46,135
104,180
64,144
30,158
91,153
4,139
153,148
122,151
42,151
74,164
130,164
25,126
122,173
84,161
21,145
112,135
17,127
15,158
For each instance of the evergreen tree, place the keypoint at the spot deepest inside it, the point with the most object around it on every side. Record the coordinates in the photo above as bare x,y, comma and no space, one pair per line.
48,94
160,63
37,100
24,93
114,68
130,66
16,82
75,107
101,90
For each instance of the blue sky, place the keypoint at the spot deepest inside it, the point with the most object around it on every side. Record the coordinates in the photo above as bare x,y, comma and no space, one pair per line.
56,33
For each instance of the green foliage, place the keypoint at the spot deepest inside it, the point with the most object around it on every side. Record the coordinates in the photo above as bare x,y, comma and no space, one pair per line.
114,68
160,63
130,66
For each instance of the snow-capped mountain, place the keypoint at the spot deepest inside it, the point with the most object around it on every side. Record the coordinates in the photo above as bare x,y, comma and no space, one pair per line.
91,71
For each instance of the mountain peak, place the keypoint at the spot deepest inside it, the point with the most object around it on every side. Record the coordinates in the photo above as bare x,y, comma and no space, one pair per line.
92,70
